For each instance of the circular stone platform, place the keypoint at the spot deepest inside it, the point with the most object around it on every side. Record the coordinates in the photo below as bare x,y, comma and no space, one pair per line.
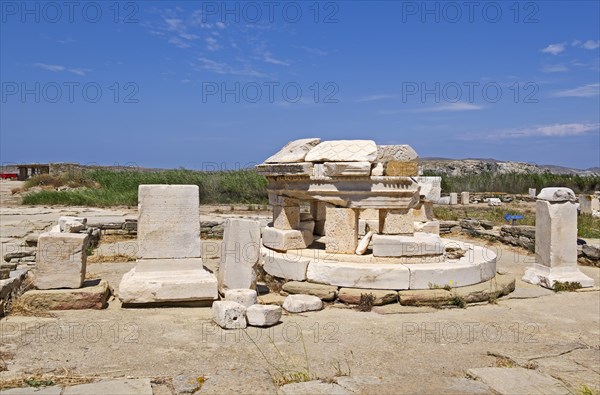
366,271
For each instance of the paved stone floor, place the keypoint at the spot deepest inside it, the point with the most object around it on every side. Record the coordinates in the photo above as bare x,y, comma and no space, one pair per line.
540,341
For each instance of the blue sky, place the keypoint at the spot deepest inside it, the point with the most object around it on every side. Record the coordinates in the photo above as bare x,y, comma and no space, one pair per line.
213,84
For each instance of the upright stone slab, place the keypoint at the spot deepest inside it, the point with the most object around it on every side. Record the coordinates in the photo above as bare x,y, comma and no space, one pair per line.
318,211
169,221
453,198
431,188
341,229
240,252
588,204
170,269
464,198
532,192
61,260
556,240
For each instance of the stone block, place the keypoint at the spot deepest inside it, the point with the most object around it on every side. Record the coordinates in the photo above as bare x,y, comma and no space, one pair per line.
4,273
322,291
396,168
518,381
421,244
286,217
285,169
359,275
263,315
341,229
400,152
308,226
432,227
284,240
494,202
168,281
343,151
271,299
464,198
532,192
557,194
73,227
431,188
61,260
422,212
588,204
245,297
453,198
382,297
229,315
240,252
396,222
294,151
169,221
318,211
378,170
63,220
280,200
288,266
348,169
302,303
93,295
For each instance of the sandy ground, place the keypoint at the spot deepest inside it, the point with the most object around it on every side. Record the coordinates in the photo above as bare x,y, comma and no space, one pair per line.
556,333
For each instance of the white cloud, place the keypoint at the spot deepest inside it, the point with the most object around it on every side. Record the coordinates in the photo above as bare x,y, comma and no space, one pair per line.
211,44
458,106
179,42
553,130
314,51
581,91
269,58
55,68
590,44
554,49
377,97
224,68
554,68
220,25
79,71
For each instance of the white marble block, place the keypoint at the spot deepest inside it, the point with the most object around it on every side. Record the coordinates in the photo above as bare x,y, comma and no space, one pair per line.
168,281
494,202
61,260
341,228
343,151
532,192
229,315
240,253
294,151
588,204
300,303
284,240
263,315
63,220
245,297
169,221
464,197
286,217
453,198
421,244
556,240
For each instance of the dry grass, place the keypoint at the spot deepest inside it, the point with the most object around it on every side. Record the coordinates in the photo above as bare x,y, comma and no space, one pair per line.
37,380
117,258
16,190
16,307
115,238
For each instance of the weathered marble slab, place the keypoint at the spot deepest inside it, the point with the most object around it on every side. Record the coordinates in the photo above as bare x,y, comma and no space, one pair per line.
343,151
294,151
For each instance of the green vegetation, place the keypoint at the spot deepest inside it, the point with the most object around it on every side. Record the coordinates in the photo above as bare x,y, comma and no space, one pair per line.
516,183
567,286
114,188
587,226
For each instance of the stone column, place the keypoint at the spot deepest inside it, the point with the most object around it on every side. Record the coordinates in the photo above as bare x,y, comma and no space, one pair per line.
341,229
453,198
240,252
464,198
556,240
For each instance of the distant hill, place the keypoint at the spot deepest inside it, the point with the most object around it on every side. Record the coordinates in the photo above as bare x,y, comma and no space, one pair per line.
458,167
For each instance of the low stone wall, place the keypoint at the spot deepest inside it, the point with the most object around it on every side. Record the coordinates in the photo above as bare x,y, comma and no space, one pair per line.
518,236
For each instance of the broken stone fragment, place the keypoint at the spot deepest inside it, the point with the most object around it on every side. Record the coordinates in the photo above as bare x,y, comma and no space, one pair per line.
294,151
347,169
401,152
245,297
285,169
302,303
557,195
343,151
63,220
263,315
363,244
229,315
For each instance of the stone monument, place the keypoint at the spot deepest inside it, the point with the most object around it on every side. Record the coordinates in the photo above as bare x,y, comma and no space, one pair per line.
169,266
341,181
556,240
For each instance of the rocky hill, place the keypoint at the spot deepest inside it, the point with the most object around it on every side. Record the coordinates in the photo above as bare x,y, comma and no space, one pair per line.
458,167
